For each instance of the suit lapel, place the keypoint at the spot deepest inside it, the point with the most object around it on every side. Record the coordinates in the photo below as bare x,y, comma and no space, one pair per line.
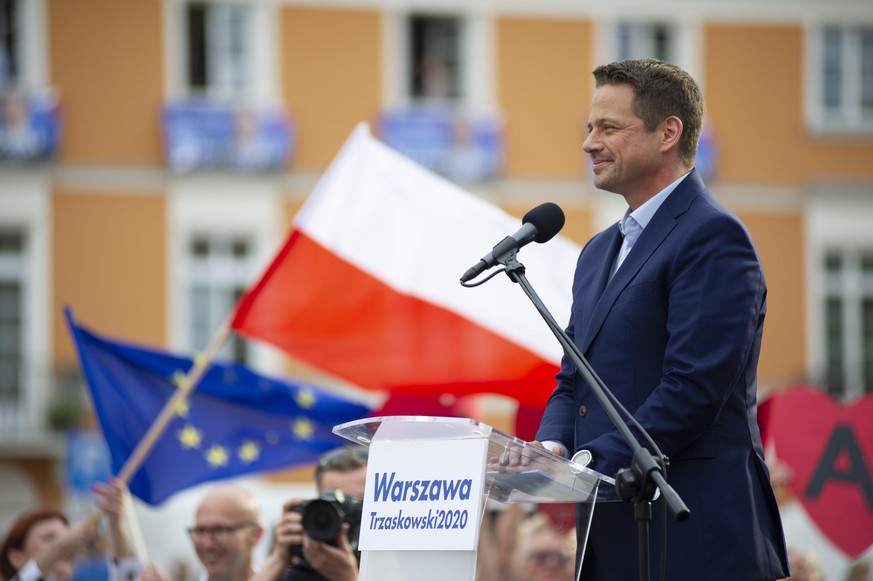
601,277
660,226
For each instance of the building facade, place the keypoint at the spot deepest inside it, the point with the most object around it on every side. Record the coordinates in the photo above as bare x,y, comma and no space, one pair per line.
153,243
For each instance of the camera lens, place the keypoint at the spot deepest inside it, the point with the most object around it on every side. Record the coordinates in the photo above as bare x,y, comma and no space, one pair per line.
322,520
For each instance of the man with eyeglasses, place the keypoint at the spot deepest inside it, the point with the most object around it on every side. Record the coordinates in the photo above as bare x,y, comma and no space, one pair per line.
225,533
544,553
345,470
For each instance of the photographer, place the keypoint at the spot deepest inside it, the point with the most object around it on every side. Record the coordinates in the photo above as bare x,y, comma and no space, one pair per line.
343,470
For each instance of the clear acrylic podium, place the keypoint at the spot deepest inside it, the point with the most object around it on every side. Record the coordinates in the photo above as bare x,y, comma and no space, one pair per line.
546,478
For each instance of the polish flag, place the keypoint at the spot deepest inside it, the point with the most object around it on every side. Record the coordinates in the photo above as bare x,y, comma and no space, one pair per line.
367,285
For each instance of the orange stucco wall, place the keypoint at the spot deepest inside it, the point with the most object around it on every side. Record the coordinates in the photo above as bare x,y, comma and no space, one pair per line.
779,238
754,85
109,267
543,89
107,64
329,85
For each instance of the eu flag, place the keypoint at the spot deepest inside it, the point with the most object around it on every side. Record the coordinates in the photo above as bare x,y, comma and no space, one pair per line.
235,422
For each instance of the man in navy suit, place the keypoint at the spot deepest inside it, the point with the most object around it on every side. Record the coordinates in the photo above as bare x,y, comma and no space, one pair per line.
668,308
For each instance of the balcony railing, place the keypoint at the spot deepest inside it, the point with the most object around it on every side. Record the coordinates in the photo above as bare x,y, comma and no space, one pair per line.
30,126
34,417
202,135
465,148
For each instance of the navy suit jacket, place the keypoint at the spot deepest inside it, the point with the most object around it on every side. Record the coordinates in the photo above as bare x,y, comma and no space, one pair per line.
676,334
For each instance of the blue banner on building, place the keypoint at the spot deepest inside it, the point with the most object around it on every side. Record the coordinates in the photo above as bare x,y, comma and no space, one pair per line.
202,135
463,148
87,460
706,160
30,126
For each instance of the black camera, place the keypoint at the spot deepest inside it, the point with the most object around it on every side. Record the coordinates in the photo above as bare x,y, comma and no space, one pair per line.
323,517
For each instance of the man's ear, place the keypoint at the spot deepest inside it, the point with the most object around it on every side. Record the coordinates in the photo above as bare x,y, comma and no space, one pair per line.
671,131
17,558
257,533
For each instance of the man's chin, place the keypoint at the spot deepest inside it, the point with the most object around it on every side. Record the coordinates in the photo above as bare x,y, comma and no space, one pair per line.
213,565
605,186
602,181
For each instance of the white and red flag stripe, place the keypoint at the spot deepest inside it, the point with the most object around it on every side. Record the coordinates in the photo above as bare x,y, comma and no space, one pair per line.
367,285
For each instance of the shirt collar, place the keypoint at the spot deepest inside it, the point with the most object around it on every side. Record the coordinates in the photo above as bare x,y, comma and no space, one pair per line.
643,214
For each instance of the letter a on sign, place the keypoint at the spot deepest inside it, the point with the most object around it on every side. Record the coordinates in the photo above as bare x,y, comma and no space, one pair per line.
829,450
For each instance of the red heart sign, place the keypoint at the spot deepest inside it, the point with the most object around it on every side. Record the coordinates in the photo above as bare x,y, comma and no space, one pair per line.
829,449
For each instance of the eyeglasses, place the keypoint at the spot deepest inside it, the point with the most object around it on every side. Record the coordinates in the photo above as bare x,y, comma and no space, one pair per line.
218,534
550,557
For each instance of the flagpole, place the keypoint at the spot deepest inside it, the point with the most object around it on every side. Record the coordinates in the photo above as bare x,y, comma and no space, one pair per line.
136,536
188,383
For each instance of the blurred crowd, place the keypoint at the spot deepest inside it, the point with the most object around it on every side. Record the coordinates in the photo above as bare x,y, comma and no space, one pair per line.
517,542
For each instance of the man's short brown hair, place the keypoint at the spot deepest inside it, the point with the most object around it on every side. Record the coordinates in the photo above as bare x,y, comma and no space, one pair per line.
343,459
661,90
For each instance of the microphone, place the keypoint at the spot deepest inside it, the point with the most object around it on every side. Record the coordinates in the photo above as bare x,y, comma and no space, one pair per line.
539,225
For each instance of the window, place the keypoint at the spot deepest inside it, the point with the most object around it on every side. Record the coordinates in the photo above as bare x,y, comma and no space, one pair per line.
843,91
219,50
220,270
651,40
848,323
10,44
12,288
221,239
435,58
22,47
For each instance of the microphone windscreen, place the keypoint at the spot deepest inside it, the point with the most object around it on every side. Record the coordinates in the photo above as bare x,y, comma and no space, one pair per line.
547,218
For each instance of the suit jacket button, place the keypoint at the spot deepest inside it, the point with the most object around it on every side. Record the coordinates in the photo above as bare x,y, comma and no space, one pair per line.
583,410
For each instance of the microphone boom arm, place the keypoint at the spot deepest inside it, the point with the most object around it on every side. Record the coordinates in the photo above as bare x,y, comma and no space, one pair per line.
644,465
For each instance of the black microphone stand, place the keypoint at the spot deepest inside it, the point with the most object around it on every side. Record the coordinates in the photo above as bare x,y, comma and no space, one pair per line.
637,484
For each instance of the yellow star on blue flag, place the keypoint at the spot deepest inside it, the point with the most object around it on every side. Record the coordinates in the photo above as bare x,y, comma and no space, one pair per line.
302,428
249,451
190,437
217,455
305,399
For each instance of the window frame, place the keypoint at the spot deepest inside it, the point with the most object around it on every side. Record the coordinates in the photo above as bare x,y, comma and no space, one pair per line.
212,206
227,51
13,271
477,58
849,119
27,208
30,20
458,95
687,38
837,225
671,28
850,290
262,64
223,278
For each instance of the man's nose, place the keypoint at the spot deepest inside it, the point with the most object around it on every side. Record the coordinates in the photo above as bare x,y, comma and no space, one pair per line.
590,144
206,541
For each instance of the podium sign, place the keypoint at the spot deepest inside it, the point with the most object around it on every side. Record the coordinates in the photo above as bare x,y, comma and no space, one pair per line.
427,481
423,496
